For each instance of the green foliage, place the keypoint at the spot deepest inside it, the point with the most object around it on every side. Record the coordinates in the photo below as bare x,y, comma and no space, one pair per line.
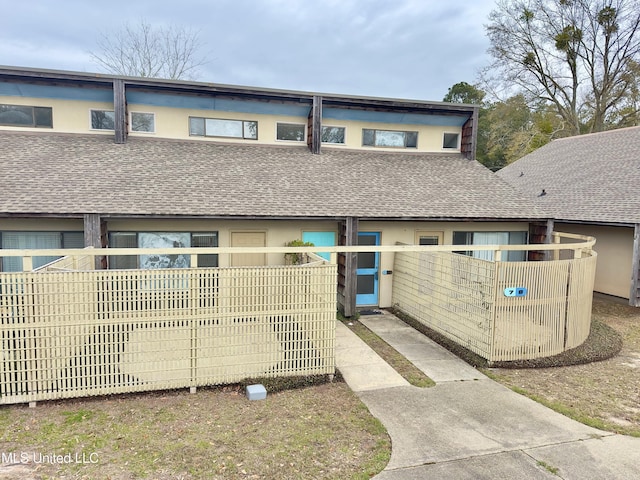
463,92
509,129
282,384
608,19
568,39
548,467
77,416
296,258
527,15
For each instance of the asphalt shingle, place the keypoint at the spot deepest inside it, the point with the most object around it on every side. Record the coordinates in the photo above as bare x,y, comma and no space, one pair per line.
51,173
588,178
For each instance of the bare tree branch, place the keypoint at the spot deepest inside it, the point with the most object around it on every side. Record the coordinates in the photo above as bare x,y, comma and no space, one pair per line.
142,50
577,55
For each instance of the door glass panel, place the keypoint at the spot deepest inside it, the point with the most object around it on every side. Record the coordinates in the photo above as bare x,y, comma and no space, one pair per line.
366,284
366,259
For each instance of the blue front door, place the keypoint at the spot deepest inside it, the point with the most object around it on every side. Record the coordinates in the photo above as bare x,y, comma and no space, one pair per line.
321,239
367,270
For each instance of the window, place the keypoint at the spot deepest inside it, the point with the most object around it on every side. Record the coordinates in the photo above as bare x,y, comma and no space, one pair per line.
292,132
33,240
450,141
218,127
429,238
23,116
389,138
102,120
492,238
143,122
161,240
333,134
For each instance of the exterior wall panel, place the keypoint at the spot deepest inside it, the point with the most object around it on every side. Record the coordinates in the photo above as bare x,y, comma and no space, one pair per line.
615,255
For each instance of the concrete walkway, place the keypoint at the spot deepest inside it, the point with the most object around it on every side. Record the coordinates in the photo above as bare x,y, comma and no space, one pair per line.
468,426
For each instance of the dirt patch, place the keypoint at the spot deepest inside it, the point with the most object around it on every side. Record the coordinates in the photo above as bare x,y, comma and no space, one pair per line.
319,431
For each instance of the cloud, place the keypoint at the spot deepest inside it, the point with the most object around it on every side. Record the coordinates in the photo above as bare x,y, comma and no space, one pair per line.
406,48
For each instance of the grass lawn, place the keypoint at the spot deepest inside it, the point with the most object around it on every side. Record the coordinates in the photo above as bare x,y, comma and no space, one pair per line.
320,432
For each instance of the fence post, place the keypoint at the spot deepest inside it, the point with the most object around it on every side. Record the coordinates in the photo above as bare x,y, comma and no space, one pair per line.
27,264
556,253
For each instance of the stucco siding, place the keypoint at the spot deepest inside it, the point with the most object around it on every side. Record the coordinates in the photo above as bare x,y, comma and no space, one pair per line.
614,246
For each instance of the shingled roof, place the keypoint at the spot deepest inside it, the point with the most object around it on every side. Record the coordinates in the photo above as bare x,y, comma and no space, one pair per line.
589,178
71,174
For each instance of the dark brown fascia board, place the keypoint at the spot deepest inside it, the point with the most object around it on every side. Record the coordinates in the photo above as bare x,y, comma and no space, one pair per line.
120,216
37,75
602,224
344,101
369,103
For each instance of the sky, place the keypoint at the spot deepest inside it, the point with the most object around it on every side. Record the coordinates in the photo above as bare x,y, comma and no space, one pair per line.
408,49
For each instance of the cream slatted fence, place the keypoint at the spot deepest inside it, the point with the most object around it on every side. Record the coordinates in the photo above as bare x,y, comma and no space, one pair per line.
463,299
82,333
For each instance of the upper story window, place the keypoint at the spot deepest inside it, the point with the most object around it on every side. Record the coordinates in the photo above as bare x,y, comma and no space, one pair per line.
143,122
218,127
333,134
102,120
389,138
24,116
451,141
292,132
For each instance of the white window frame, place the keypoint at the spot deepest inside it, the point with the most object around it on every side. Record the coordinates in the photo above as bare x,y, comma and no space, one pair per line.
457,147
344,134
153,130
34,117
101,110
304,132
241,121
377,131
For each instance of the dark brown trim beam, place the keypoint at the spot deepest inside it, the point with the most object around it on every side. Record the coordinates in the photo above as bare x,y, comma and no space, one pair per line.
469,140
314,137
119,111
93,229
347,267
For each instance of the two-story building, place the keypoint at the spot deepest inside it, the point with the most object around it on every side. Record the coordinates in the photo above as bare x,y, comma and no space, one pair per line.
110,161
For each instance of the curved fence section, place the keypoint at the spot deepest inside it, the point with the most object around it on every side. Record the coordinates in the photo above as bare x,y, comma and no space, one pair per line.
502,311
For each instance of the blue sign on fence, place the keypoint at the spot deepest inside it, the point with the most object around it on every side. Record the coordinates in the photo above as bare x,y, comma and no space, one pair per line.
515,292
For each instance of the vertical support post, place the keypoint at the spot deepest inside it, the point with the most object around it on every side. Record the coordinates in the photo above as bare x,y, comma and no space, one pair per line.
469,140
548,237
27,264
540,233
556,253
93,235
119,111
314,137
634,294
347,267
